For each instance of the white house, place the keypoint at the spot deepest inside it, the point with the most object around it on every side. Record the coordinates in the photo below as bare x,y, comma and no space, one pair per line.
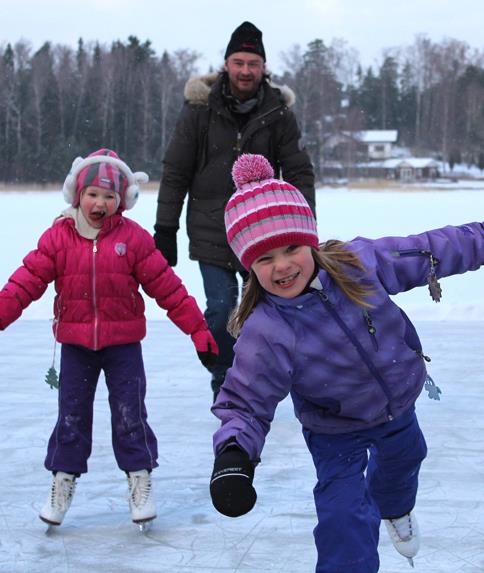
379,142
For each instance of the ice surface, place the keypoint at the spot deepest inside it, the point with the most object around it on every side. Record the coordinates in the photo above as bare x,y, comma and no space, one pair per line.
188,535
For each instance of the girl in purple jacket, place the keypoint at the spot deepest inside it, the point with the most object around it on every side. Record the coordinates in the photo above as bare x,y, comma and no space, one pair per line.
317,321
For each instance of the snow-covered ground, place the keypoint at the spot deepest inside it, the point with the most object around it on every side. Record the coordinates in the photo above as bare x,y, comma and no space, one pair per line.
189,535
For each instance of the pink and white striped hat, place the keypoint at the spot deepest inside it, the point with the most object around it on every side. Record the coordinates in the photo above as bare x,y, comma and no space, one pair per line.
103,168
265,213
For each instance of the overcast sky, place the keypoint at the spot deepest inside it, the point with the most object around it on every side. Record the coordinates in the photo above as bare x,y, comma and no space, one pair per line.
205,25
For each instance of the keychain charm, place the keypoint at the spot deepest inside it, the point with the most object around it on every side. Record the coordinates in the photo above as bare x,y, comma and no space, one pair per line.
434,286
51,378
433,390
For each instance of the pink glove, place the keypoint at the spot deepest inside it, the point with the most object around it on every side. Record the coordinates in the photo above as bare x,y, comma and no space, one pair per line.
206,347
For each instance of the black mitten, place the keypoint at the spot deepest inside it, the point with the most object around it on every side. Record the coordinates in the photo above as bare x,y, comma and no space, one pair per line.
231,483
165,239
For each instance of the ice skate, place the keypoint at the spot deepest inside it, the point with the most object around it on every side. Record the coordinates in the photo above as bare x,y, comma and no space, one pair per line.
141,502
59,499
405,535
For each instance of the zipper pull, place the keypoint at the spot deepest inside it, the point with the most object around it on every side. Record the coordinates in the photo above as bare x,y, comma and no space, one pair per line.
422,355
94,246
371,328
323,295
369,322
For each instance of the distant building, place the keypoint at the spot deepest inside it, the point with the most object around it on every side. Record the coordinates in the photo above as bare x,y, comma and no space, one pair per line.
373,153
406,170
411,168
379,142
366,145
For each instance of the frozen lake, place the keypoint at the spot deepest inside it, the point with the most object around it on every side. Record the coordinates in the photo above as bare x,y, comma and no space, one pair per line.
342,214
188,535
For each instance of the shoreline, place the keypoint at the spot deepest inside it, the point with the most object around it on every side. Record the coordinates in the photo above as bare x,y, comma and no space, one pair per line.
371,185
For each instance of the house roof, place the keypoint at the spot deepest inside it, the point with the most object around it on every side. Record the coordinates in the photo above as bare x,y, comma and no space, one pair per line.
395,162
377,135
415,162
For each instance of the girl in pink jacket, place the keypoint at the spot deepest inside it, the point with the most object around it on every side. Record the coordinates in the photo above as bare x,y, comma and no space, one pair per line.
98,259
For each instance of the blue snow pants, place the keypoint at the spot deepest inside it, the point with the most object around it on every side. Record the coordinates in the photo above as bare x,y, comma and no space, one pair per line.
222,291
134,443
351,502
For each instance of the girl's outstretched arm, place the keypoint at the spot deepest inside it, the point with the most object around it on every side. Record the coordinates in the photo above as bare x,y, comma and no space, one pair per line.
403,263
29,281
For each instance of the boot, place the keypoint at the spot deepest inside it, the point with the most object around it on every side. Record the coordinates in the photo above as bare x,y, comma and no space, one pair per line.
59,499
405,535
141,501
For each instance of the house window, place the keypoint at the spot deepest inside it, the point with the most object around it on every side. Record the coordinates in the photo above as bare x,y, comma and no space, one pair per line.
379,148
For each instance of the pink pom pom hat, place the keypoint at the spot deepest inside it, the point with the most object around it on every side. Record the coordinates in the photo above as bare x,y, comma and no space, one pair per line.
265,213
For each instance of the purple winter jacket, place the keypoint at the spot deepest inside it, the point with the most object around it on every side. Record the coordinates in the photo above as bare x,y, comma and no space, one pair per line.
307,345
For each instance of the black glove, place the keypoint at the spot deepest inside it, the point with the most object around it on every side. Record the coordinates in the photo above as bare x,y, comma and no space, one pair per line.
231,483
165,239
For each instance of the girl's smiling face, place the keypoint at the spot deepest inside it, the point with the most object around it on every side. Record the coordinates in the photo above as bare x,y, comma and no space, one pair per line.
285,271
97,204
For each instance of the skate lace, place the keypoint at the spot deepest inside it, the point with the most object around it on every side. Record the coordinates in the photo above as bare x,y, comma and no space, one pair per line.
403,527
61,493
139,489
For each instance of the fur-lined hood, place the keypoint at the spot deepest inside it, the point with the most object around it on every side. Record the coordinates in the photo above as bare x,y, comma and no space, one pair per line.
197,89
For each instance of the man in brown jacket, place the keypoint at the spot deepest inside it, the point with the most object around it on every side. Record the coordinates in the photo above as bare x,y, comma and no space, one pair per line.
225,114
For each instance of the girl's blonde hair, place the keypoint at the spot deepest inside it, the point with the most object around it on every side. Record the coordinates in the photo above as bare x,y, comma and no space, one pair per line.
334,257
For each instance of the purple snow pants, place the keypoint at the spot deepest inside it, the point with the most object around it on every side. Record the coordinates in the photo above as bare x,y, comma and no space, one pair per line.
349,504
70,444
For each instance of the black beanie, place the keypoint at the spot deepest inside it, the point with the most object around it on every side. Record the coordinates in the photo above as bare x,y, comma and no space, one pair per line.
246,38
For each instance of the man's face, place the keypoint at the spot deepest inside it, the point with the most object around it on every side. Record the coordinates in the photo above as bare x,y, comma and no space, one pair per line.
245,72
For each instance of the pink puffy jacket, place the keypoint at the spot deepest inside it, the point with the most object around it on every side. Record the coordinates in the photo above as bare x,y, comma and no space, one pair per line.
97,301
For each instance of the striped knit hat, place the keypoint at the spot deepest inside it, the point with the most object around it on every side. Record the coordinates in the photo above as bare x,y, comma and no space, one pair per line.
265,213
103,168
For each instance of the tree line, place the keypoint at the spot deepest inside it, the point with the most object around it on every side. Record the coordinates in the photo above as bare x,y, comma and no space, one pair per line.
59,102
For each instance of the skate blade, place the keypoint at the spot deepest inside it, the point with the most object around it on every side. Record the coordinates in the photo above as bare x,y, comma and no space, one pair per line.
51,525
145,524
410,561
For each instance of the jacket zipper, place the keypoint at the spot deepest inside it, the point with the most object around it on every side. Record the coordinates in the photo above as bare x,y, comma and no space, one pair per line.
250,132
416,252
238,147
435,289
361,351
94,298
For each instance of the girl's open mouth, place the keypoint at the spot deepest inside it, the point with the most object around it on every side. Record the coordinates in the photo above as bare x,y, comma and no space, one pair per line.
97,215
287,280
